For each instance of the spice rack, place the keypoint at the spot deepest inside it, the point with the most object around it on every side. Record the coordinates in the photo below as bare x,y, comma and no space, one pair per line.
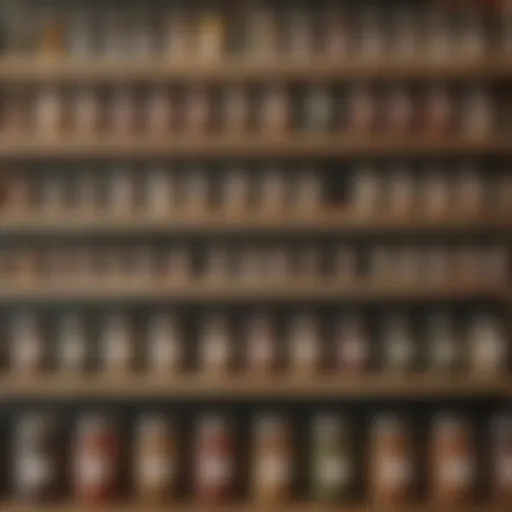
414,255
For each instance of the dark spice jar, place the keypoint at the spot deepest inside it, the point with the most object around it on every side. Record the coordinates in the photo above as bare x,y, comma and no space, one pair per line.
501,458
214,475
35,465
96,460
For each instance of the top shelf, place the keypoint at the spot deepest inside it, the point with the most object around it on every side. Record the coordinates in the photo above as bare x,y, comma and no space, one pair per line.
53,69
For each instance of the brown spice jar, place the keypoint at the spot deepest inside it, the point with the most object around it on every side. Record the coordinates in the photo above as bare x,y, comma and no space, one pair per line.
26,345
392,467
501,458
261,342
452,462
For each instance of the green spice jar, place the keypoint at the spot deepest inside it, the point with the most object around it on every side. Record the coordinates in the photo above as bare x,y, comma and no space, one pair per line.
332,458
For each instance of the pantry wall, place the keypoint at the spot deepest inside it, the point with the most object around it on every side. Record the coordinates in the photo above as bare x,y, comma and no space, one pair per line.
255,255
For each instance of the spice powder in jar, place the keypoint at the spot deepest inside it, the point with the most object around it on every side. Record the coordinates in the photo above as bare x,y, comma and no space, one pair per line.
48,113
261,344
160,114
35,465
117,344
235,190
214,469
333,458
391,461
444,351
156,459
161,194
273,460
501,458
86,113
215,346
305,344
362,109
307,192
453,469
165,349
438,111
236,112
95,460
366,192
399,348
72,344
275,112
352,345
26,344
211,35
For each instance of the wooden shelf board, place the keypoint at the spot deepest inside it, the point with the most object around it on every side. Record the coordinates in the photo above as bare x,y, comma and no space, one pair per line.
192,385
240,145
206,291
242,69
67,222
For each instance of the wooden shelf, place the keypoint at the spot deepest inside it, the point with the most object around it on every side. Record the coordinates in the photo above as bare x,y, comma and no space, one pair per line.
209,222
240,145
198,386
234,291
243,69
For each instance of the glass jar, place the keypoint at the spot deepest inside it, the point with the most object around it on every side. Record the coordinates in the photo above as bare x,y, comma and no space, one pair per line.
159,111
436,193
362,109
273,191
263,33
439,112
235,190
196,191
299,33
215,345
488,347
48,114
404,29
178,34
164,344
26,344
469,191
217,264
318,109
444,351
337,29
142,33
400,110
501,458
308,191
250,266
161,193
371,34
177,264
439,35
86,112
352,345
72,343
236,110
399,346
211,35
477,113
274,111
472,36
277,265
117,344
122,112
198,111
309,264
401,193
261,344
366,193
305,344
345,264
121,192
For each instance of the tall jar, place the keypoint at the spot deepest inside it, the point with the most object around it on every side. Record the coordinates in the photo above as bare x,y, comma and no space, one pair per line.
501,458
161,194
272,460
436,194
121,192
117,344
26,344
214,461
305,344
352,345
444,350
198,111
196,188
273,191
165,348
299,34
488,347
401,193
392,473
333,463
35,466
398,345
275,112
211,35
261,344
160,115
308,191
400,111
366,192
362,109
235,190
438,111
72,343
478,113
122,112
215,346
96,452
453,465
318,109
156,467
48,114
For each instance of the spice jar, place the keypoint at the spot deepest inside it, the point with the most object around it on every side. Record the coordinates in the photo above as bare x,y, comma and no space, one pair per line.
398,345
85,188
371,34
164,344
494,263
337,32
26,344
438,113
307,192
309,263
121,192
466,264
261,344
273,460
437,264
488,350
477,113
214,476
444,352
275,112
178,42
345,264
439,35
392,472
401,193
142,33
382,264
333,461
404,30
80,34
236,111
217,264
436,193
399,116
156,459
299,33
501,187
318,109
177,264
352,345
273,191
366,194
263,33
95,460
17,194
35,465
86,112
215,346
211,35
304,340
15,112
53,195
407,265
48,112
53,34
235,190
123,115
161,194
142,264
160,111
501,458
277,264
198,111
250,266
469,191
72,343
453,469
196,191
116,344
362,109
472,36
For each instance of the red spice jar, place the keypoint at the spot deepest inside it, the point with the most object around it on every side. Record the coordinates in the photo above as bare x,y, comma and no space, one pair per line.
352,345
156,455
35,466
236,110
261,344
198,111
164,344
214,474
305,347
362,109
95,460
453,468
215,346
501,458
273,460
26,344
438,111
392,462
275,112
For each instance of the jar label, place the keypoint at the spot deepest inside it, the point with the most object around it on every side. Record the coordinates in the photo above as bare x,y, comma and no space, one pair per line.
163,351
94,470
216,469
262,349
157,469
335,470
400,350
28,351
306,349
35,470
73,351
275,470
216,351
457,471
396,472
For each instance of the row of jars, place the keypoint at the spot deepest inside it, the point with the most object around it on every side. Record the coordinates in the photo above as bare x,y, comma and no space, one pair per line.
252,264
301,189
97,458
114,343
261,31
437,110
